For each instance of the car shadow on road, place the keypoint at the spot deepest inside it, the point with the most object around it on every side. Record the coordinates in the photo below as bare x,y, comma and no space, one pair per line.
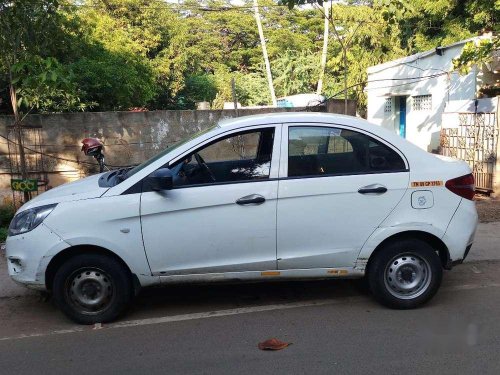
182,299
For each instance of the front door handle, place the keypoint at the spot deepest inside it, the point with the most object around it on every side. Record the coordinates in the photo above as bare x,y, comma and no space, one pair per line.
253,199
373,189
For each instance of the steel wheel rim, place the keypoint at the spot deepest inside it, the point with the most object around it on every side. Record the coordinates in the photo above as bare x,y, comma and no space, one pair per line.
89,290
407,276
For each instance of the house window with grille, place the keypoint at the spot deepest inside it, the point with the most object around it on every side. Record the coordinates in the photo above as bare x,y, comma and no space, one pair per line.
388,105
422,103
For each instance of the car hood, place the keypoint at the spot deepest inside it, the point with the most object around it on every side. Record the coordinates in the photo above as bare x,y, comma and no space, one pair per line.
86,188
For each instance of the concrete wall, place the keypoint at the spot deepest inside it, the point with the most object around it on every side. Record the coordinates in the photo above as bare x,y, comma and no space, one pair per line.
129,137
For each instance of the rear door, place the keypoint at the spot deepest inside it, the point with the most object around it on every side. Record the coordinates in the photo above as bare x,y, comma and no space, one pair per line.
336,186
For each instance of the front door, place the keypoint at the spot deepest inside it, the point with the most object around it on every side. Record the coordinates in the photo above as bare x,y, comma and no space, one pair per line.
340,185
221,214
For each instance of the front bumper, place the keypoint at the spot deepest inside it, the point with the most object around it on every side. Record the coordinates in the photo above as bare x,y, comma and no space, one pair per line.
29,254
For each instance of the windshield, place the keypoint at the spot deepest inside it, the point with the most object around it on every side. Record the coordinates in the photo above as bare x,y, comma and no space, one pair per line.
166,151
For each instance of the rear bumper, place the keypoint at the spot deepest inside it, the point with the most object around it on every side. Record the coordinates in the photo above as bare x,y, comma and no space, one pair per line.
461,231
450,264
460,261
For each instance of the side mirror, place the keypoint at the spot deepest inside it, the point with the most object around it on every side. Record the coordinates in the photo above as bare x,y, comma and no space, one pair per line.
161,179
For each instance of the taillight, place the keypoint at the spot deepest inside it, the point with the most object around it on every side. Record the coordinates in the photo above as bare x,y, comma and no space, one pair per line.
463,186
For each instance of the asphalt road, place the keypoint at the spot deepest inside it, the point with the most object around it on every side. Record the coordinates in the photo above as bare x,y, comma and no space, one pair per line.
335,327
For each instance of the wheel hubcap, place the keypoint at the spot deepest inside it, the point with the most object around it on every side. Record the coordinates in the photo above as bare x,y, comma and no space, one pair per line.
89,290
407,276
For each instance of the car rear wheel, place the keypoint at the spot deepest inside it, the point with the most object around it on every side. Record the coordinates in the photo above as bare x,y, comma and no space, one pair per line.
405,274
92,288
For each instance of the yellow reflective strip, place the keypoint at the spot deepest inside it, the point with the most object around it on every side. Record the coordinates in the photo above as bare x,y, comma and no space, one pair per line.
270,273
337,272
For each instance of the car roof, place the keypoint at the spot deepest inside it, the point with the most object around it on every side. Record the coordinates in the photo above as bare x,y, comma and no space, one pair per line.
315,118
287,117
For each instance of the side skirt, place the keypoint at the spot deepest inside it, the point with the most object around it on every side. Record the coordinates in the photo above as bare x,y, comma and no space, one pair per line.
295,274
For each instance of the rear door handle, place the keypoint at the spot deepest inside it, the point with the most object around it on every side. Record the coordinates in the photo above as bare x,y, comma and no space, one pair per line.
373,189
253,199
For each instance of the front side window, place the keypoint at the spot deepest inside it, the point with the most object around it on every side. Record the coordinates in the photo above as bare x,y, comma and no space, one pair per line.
316,151
239,157
165,152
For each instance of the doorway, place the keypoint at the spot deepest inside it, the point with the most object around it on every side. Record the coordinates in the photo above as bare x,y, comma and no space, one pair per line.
401,100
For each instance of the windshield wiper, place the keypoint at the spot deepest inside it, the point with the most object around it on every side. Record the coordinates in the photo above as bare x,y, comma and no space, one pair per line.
122,174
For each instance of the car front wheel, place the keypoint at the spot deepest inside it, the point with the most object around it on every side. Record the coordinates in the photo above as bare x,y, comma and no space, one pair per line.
92,288
405,274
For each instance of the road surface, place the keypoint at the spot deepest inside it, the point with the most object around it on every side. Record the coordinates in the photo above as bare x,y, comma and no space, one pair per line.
334,327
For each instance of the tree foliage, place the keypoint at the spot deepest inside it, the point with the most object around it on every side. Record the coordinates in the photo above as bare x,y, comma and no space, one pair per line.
35,79
67,55
476,54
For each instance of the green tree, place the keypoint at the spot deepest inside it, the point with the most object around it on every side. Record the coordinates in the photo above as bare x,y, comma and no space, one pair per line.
127,55
476,54
381,30
26,41
34,76
46,85
295,72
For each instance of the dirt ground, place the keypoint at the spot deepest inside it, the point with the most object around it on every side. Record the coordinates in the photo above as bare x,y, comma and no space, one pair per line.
488,209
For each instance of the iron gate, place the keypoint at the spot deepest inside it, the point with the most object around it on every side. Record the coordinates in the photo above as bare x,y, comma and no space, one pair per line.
474,141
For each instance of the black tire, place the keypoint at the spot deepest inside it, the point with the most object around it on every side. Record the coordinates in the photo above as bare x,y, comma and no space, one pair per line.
400,265
87,278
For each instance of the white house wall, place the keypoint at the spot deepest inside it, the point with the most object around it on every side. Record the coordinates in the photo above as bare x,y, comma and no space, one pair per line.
421,74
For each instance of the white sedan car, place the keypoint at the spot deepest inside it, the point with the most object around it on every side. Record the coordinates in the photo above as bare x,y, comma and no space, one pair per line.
268,197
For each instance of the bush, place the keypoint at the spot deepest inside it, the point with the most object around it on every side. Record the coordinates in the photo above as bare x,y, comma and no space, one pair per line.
6,214
3,234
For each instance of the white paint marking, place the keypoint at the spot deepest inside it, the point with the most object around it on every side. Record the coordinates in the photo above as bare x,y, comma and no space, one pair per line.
475,269
194,316
470,287
228,312
237,311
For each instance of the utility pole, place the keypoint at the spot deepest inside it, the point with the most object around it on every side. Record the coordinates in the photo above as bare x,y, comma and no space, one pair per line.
235,99
344,54
319,89
344,44
264,52
344,57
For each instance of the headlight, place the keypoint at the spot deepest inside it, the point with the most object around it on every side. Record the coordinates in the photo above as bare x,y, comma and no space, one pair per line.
29,219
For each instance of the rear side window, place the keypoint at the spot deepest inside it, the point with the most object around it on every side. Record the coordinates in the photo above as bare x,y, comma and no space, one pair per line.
316,151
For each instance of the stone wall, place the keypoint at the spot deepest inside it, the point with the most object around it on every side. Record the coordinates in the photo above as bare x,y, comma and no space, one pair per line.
129,137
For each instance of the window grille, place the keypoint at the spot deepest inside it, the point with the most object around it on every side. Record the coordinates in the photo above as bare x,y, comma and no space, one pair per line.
388,105
422,103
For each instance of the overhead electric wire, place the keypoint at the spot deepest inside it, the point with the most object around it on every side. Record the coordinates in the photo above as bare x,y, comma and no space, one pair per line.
414,80
183,7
